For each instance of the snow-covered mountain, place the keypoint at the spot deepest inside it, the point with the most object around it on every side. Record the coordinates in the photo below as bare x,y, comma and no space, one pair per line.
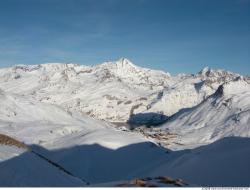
108,91
62,114
112,91
225,113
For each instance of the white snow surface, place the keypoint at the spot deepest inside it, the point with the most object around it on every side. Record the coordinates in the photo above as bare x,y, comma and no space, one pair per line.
20,168
62,112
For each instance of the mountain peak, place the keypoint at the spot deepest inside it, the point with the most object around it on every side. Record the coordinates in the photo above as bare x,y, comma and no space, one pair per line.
205,71
120,65
210,73
124,62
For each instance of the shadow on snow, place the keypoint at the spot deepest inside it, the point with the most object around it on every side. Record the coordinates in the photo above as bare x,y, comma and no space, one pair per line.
222,163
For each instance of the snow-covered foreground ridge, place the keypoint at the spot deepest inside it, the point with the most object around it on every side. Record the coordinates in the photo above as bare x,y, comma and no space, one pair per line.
54,113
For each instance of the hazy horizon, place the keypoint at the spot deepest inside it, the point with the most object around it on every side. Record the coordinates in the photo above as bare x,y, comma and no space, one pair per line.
173,74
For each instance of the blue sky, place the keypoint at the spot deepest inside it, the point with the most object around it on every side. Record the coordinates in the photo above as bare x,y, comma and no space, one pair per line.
172,35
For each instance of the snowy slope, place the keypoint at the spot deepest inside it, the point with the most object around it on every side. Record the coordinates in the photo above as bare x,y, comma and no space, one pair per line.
21,168
222,163
26,118
225,113
99,163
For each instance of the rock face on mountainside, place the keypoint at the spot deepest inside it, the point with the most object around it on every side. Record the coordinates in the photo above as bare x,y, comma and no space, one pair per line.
8,141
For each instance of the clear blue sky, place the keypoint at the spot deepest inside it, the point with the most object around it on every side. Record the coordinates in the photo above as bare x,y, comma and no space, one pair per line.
172,35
